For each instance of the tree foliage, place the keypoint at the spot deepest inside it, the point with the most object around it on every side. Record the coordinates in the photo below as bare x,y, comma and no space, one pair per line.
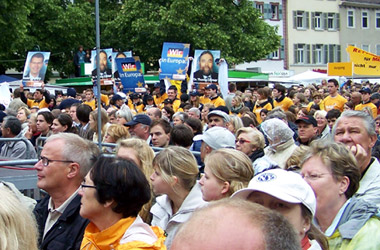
14,26
60,27
238,31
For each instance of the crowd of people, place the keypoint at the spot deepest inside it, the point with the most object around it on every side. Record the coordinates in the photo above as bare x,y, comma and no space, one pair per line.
262,168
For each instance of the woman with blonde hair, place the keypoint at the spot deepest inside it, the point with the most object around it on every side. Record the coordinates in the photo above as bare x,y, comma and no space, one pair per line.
175,179
93,121
234,124
348,221
23,114
236,104
226,171
17,226
142,155
114,133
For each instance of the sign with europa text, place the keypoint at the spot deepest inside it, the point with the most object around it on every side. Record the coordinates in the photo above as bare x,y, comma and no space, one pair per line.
130,74
340,69
365,63
174,61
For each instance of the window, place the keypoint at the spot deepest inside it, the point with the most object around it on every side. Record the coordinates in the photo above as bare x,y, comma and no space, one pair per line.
332,52
378,49
260,7
274,11
318,56
332,21
275,55
365,47
365,23
317,20
377,20
302,54
301,20
350,19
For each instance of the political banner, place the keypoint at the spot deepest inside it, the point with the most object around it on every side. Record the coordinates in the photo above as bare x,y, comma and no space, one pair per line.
119,55
205,68
174,61
105,66
35,68
365,63
131,76
340,69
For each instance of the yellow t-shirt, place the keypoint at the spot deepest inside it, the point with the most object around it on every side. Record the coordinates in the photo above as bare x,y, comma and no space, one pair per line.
218,102
284,104
258,108
369,104
336,102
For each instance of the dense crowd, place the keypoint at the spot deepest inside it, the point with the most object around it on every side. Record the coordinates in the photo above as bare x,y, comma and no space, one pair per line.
184,170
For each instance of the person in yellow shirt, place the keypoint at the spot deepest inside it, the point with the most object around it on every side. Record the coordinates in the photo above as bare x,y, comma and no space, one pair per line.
41,97
215,99
334,100
135,104
112,208
159,95
172,95
317,100
280,100
262,103
90,100
366,97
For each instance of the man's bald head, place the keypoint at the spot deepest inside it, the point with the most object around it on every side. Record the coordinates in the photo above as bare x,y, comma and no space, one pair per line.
236,224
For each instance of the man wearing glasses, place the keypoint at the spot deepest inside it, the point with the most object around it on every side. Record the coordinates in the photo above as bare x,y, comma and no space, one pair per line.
64,162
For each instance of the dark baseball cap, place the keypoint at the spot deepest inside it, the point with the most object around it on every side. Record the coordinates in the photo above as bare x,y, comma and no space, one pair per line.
365,90
375,95
308,120
168,101
141,118
212,86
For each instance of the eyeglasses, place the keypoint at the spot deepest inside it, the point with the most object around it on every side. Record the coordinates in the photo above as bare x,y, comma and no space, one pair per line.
83,186
46,161
241,141
314,177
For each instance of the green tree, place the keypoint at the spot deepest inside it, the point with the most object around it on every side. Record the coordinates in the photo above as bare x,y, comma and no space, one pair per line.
60,27
238,31
14,25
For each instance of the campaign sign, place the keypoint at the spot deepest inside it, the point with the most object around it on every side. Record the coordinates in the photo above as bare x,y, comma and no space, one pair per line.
35,68
119,55
130,74
105,66
205,67
174,60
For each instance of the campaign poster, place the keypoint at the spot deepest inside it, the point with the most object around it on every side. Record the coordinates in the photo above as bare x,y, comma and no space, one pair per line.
105,66
35,68
174,60
131,76
119,54
205,67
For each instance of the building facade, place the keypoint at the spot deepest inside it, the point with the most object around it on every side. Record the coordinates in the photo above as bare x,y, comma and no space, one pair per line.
360,25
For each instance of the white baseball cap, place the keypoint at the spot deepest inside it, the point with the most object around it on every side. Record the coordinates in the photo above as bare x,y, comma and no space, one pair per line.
284,185
218,137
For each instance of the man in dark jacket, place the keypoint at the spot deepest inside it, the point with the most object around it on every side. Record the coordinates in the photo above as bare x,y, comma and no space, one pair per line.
64,162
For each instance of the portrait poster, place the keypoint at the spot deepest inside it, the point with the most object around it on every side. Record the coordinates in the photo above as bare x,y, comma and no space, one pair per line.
119,54
131,75
205,68
35,68
174,61
105,66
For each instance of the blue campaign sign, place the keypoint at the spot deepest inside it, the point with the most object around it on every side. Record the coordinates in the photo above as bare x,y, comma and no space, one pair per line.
174,60
130,73
35,68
